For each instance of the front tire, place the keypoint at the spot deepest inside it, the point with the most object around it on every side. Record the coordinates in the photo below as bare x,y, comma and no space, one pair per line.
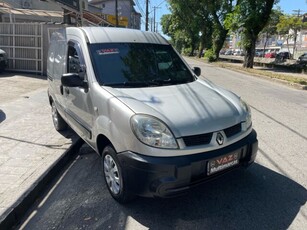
114,177
58,121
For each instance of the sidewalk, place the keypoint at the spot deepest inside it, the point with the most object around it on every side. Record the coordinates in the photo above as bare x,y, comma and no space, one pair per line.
29,144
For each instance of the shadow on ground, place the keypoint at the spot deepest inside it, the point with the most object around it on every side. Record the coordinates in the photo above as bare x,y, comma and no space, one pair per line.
258,198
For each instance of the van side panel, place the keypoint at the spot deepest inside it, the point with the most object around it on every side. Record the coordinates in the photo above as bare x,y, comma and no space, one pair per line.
56,66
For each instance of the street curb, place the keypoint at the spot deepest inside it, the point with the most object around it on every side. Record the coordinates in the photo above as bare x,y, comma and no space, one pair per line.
13,216
280,81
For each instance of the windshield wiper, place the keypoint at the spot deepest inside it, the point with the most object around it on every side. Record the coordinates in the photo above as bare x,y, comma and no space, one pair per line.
169,81
161,81
130,84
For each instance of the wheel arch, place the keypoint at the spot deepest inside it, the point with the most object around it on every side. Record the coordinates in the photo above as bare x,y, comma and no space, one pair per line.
101,142
50,98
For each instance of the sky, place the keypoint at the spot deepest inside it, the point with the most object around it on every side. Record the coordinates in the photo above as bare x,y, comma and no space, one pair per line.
287,6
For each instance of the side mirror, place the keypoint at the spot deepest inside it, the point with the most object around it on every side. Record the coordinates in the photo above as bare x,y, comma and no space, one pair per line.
197,71
72,80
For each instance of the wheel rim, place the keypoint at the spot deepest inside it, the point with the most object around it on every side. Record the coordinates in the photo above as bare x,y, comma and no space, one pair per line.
54,114
112,174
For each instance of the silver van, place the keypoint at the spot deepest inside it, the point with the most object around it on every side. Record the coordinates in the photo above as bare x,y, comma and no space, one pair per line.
159,128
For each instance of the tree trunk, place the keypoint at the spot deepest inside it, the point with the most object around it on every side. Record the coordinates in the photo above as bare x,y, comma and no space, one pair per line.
192,50
288,44
200,53
294,45
218,43
250,53
266,40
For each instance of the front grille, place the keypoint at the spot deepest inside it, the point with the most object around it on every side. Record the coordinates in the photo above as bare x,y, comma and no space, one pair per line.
201,139
233,130
204,139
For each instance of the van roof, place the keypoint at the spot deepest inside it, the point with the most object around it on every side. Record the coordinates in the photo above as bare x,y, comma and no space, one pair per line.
116,35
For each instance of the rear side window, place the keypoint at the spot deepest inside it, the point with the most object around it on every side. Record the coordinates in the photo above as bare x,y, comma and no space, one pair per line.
136,63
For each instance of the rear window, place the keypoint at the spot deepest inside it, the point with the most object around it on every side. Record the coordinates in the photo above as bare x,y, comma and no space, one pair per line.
126,63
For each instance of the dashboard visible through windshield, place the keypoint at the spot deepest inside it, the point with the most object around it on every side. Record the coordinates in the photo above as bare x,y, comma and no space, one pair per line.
138,65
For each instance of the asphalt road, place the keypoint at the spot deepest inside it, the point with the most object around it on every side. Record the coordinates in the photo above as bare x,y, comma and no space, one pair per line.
271,194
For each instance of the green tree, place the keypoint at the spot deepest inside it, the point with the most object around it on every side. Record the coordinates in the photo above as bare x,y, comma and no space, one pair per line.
249,18
218,9
183,24
288,26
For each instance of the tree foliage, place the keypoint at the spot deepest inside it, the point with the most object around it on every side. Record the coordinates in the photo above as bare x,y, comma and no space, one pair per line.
249,18
204,24
293,24
182,25
271,27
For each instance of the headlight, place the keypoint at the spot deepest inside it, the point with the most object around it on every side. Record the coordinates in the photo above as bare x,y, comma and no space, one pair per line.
151,131
248,114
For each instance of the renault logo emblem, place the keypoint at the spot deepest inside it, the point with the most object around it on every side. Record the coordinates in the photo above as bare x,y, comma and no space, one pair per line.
219,138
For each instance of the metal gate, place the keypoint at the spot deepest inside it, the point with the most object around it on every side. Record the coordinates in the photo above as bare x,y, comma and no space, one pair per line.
23,43
27,45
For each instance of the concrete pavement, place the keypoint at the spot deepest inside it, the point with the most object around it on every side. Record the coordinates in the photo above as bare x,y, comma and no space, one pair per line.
29,145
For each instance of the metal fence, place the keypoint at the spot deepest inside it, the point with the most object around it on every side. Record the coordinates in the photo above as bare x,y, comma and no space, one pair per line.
26,45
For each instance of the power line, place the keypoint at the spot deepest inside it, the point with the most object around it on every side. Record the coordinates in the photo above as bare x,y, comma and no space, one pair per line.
140,8
155,7
158,5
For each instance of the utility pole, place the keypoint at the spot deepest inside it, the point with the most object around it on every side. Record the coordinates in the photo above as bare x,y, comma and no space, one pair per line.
298,12
151,21
116,12
155,7
146,20
81,4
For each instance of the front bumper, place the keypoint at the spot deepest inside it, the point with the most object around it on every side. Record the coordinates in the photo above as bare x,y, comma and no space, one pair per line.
169,176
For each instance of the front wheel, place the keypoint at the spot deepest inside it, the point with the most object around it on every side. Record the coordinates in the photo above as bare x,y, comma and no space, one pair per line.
114,177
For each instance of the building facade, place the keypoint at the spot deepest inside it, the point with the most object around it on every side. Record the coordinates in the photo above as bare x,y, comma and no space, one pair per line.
125,9
30,11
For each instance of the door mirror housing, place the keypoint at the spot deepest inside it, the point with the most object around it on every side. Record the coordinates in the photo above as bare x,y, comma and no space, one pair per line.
72,80
197,71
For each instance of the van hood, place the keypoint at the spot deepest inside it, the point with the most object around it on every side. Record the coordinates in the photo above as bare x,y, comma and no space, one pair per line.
188,109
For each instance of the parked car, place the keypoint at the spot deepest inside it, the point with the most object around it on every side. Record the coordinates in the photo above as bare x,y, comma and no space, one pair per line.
157,125
229,52
238,53
3,60
283,55
222,52
270,55
303,58
259,53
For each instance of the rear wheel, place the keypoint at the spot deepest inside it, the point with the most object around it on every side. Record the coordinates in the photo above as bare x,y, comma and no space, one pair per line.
58,121
114,177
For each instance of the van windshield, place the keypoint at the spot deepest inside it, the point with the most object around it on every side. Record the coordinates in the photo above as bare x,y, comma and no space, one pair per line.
138,65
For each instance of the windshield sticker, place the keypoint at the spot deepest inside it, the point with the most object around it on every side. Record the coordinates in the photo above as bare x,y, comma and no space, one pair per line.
107,51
